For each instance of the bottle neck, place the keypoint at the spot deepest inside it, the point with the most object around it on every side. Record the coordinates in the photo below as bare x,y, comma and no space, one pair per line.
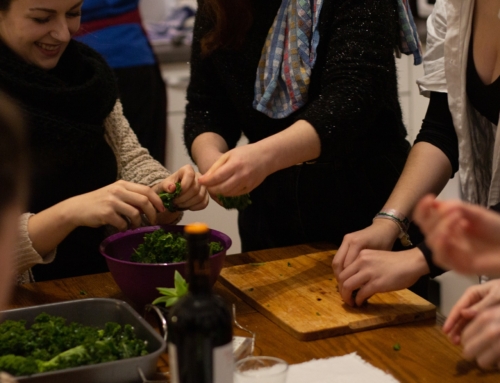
198,264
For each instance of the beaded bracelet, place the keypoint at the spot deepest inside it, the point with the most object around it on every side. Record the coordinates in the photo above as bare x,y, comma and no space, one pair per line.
400,220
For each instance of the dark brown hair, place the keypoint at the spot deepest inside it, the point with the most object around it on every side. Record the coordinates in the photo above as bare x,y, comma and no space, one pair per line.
232,20
5,5
13,154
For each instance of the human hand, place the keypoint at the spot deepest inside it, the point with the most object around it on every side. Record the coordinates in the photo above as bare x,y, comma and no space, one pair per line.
119,204
378,236
376,271
481,338
237,171
193,196
475,300
462,236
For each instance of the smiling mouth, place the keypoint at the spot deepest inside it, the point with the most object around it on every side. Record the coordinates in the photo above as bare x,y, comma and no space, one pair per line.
47,47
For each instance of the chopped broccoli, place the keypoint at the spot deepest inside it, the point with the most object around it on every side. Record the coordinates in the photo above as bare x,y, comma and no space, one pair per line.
161,247
51,344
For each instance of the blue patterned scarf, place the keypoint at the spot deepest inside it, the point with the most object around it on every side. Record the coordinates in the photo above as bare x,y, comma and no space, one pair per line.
289,55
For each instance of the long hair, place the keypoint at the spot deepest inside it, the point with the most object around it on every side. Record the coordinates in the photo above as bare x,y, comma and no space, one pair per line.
5,5
482,138
232,20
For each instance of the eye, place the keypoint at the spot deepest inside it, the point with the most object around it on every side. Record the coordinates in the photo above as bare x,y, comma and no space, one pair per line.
41,21
74,14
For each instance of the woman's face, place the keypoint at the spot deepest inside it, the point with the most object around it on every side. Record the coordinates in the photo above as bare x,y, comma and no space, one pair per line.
39,30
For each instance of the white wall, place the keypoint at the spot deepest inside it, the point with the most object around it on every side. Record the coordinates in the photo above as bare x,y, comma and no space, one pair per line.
177,78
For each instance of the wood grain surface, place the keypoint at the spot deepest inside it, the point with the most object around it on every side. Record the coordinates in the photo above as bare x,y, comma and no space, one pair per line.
300,295
425,354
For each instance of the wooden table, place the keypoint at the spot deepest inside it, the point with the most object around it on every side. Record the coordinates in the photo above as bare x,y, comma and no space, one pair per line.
426,355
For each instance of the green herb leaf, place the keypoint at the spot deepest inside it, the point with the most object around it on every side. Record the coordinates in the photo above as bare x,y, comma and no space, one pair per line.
172,295
168,198
239,202
396,347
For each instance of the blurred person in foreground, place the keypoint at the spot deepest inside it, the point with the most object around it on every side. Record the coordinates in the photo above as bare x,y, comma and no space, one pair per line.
465,237
13,194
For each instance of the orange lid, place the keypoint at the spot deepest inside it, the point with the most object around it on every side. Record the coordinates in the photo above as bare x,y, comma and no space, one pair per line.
196,228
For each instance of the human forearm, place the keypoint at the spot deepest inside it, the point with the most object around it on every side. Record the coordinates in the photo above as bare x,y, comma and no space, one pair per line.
296,144
427,170
206,149
48,228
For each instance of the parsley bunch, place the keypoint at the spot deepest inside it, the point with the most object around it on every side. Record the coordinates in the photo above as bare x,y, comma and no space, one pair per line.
161,247
168,198
239,202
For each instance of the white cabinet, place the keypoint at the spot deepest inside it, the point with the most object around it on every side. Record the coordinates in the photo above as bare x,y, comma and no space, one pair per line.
216,217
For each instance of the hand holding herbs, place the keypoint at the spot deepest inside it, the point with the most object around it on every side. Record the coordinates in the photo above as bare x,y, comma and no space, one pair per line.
161,247
168,198
239,202
51,344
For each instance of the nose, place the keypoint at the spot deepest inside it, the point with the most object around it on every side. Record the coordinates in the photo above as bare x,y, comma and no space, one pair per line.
61,31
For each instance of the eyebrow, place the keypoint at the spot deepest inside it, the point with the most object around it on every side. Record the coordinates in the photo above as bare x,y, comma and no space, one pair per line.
53,11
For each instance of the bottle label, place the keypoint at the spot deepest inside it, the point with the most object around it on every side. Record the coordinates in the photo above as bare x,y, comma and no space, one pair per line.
223,363
172,362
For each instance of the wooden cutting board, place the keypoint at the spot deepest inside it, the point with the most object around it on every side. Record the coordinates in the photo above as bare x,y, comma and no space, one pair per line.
300,295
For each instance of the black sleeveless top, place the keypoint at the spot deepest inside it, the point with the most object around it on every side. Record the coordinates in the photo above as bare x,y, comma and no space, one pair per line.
484,98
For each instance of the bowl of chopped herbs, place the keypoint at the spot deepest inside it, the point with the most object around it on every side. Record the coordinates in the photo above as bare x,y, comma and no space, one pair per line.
143,259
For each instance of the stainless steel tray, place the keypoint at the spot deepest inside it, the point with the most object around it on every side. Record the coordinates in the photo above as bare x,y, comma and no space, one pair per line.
96,312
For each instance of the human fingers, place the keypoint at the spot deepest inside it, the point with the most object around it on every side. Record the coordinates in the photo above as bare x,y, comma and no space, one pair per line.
469,298
143,199
423,211
338,259
350,281
481,336
212,176
455,333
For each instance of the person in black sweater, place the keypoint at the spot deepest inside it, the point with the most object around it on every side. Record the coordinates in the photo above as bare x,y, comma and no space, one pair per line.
323,169
457,134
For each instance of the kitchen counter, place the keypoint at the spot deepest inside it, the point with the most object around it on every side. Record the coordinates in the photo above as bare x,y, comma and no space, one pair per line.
425,353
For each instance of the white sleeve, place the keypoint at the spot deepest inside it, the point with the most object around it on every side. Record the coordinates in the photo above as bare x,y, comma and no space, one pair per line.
434,79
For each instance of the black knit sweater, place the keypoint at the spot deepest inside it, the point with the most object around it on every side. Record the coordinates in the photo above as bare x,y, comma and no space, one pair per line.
353,98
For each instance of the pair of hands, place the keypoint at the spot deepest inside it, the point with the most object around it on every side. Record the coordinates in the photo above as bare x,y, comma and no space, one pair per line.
466,238
365,263
474,322
233,173
122,203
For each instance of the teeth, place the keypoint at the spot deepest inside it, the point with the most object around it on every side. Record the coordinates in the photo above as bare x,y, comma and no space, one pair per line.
48,47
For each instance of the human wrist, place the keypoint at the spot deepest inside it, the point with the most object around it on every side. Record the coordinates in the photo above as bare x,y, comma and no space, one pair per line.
400,220
391,228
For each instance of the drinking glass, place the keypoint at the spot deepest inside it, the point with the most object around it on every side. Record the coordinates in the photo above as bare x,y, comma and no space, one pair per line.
261,369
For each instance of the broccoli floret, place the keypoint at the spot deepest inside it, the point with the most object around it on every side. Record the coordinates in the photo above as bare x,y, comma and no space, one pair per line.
51,344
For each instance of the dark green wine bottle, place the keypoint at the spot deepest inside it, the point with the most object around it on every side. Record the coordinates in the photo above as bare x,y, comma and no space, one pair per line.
200,329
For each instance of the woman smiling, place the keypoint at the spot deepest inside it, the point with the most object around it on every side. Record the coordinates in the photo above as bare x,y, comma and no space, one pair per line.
81,144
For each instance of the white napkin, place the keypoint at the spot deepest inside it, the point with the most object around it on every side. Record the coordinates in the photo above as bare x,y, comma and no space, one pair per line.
349,368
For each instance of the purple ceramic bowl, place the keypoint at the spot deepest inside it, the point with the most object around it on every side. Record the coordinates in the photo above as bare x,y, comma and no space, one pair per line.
139,281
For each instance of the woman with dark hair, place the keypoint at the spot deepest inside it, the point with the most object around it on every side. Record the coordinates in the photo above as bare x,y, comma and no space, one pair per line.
13,193
313,87
80,142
